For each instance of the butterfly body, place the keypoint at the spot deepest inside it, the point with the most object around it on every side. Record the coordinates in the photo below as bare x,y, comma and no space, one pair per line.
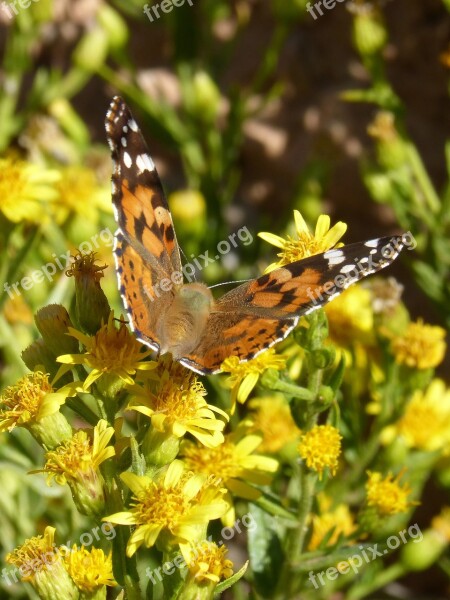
182,325
169,315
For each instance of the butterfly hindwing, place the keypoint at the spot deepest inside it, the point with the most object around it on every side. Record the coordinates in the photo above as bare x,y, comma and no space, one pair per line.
235,334
261,312
137,285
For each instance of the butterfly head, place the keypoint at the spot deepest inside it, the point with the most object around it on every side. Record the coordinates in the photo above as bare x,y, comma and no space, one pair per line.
196,295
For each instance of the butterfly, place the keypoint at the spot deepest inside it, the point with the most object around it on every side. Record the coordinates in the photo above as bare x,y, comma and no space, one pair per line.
184,319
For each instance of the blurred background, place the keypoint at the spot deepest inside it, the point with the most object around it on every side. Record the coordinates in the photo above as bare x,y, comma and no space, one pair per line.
251,108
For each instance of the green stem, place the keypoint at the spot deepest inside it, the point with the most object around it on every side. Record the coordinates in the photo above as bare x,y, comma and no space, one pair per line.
12,352
384,577
434,204
132,589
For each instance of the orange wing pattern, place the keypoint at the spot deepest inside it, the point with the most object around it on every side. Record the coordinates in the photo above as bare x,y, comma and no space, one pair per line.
245,321
146,249
261,312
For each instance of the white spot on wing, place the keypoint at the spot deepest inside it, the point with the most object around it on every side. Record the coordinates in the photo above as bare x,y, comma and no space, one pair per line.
334,257
371,243
127,160
124,141
347,268
132,125
144,163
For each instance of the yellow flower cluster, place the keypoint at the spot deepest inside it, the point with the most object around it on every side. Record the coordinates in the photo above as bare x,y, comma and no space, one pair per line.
320,448
153,430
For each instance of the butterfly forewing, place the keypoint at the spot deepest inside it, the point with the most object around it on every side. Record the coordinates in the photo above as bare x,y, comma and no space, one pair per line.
140,205
146,250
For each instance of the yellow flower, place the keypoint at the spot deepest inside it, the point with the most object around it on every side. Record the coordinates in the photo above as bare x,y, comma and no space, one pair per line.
272,417
383,127
350,317
77,462
244,376
320,448
175,404
112,353
338,519
425,423
387,495
420,347
233,464
40,564
176,507
24,188
206,562
306,243
80,192
34,404
89,569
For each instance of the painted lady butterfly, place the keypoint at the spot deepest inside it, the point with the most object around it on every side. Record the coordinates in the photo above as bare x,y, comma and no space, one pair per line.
185,320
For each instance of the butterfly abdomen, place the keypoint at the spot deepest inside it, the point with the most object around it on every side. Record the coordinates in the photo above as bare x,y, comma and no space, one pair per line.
185,320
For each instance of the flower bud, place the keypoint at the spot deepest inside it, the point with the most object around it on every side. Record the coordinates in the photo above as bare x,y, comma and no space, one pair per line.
114,25
53,322
369,33
203,97
38,355
421,556
92,50
91,308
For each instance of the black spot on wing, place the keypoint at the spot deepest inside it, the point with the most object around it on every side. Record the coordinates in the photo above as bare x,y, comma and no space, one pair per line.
157,201
170,233
264,279
139,226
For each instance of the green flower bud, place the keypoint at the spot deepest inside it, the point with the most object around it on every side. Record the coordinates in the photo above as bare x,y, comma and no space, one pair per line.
38,355
160,448
88,494
323,358
420,556
114,25
369,33
53,322
91,307
92,50
379,185
203,97
51,431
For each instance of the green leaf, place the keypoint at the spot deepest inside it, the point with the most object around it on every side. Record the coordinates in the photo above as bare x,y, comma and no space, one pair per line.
231,580
271,504
265,551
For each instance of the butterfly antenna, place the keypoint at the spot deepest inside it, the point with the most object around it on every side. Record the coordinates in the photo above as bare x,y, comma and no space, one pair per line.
228,283
185,258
